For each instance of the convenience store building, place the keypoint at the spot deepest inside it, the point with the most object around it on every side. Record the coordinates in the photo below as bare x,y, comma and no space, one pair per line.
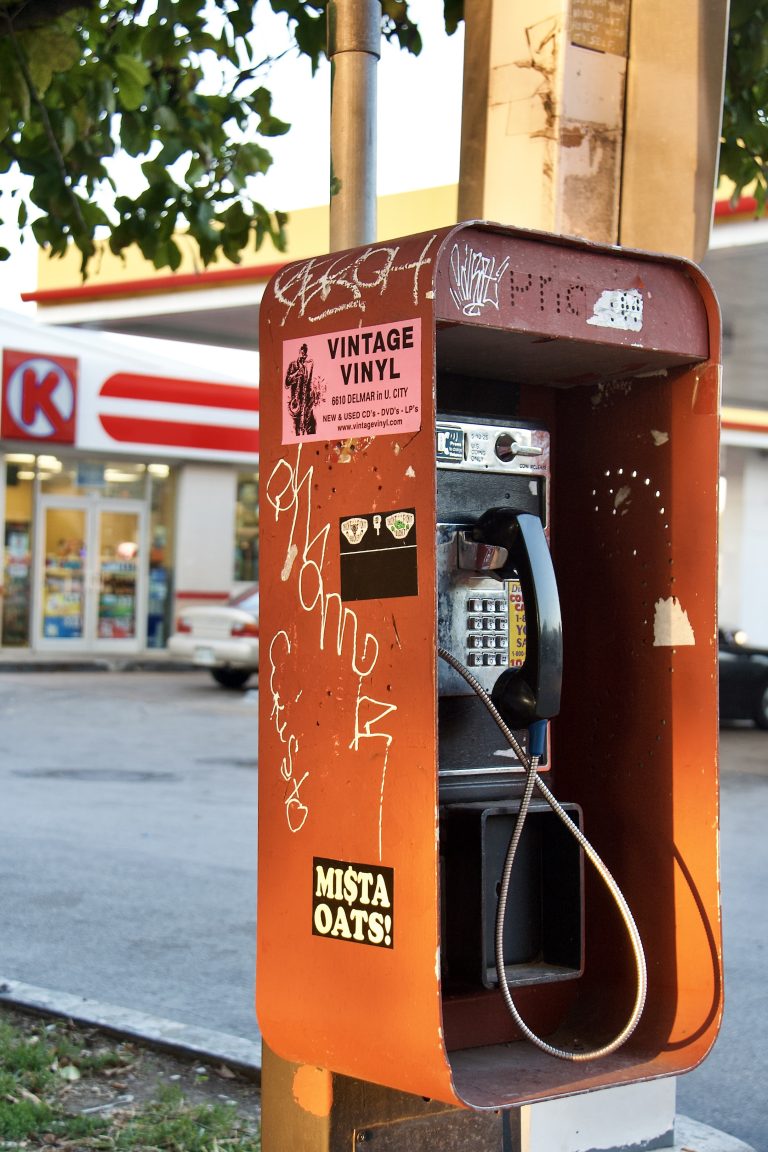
128,489
195,516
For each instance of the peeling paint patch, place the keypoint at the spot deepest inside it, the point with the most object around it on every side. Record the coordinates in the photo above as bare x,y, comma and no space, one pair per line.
290,557
662,372
346,450
609,388
313,1090
671,626
619,308
410,472
622,496
659,438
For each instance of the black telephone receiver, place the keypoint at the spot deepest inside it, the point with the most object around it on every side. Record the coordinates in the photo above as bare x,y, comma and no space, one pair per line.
531,692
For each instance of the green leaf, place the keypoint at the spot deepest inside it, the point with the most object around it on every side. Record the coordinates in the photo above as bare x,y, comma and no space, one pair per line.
68,134
69,1072
167,255
135,134
453,11
269,125
48,50
131,79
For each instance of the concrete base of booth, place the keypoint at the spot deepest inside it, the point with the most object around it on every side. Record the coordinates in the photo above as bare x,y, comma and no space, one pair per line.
311,1110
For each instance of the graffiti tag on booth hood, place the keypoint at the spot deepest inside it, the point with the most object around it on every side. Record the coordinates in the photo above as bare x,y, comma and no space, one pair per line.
475,279
353,902
349,282
360,381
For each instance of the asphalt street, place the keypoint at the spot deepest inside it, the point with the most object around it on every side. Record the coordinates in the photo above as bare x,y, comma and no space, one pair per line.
128,863
128,841
728,1091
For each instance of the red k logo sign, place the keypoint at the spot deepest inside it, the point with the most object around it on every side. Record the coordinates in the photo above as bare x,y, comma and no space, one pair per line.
39,397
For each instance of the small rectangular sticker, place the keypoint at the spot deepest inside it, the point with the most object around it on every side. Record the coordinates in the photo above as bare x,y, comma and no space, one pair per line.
353,902
355,382
602,25
378,555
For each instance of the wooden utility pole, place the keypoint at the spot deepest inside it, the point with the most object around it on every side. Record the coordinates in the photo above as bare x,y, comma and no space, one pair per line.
598,119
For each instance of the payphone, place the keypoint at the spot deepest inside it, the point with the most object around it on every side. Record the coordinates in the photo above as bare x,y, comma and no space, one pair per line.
488,476
487,765
500,644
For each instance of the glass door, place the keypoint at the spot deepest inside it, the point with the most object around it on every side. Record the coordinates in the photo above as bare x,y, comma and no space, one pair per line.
118,533
90,582
61,570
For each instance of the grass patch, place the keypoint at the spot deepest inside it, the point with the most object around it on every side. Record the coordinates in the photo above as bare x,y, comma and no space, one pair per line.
168,1123
65,1087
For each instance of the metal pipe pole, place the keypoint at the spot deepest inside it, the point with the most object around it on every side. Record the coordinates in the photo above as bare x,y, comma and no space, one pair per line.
354,47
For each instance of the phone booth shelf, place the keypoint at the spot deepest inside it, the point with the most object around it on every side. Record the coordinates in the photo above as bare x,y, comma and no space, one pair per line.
615,354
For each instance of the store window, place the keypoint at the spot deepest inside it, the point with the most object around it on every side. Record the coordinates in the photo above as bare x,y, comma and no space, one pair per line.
114,481
247,528
17,552
160,555
57,491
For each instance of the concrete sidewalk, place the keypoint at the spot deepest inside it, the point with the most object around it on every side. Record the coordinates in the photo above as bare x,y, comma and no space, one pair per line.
148,660
186,1039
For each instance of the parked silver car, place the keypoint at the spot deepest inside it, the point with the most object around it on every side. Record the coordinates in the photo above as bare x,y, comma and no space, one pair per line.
224,638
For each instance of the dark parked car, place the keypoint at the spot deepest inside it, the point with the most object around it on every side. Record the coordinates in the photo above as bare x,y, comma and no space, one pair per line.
743,679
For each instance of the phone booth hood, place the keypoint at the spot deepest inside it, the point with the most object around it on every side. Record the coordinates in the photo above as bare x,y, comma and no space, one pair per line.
617,354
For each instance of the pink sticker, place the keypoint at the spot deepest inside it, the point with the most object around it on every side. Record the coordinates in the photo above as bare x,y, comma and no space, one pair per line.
359,382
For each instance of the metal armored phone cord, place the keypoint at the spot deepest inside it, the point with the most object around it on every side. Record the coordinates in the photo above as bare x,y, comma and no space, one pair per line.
533,780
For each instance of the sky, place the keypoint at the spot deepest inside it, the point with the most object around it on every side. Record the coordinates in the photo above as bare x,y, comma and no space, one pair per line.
419,120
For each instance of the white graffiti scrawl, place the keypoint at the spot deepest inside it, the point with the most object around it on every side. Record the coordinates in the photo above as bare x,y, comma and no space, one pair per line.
474,280
327,285
296,811
289,491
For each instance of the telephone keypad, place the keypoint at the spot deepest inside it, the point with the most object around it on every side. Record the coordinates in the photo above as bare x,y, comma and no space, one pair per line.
487,640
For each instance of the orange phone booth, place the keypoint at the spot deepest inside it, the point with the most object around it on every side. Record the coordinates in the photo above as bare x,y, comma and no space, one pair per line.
488,803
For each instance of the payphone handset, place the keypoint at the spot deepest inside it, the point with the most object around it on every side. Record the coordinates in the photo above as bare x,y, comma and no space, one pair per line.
498,606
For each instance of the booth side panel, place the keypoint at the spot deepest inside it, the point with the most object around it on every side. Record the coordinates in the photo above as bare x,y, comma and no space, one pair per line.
348,887
636,742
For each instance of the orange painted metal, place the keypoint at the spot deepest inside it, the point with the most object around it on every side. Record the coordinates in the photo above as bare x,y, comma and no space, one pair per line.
531,327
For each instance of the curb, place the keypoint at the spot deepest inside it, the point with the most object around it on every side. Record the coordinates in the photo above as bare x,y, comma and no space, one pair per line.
101,664
690,1136
184,1039
245,1055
